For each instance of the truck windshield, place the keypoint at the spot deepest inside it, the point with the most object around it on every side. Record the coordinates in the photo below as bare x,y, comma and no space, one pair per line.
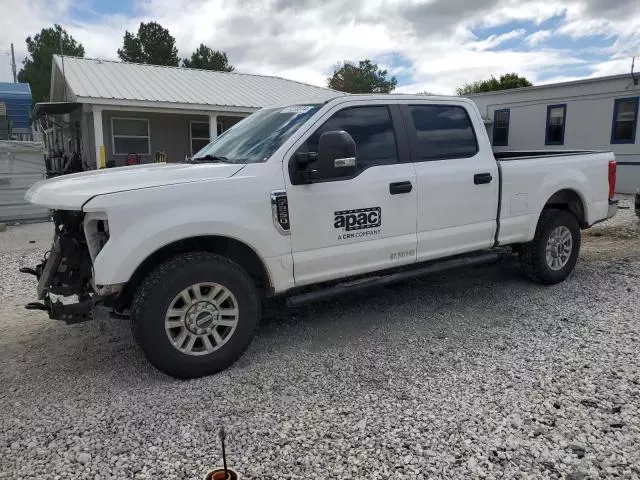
255,138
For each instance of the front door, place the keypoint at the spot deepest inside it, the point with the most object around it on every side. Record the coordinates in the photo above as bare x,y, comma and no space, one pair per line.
347,226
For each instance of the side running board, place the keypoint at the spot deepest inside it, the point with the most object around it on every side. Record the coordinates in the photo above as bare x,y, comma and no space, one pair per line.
483,258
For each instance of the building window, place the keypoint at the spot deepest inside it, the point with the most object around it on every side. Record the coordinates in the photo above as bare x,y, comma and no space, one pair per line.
501,128
442,132
625,120
199,135
130,135
556,118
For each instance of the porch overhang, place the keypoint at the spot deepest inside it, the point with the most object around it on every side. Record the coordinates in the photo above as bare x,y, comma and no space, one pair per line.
164,107
96,107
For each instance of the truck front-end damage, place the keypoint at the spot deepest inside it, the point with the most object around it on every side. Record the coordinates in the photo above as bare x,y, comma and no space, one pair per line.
66,269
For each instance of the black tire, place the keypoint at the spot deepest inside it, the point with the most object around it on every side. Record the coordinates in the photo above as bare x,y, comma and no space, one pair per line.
160,287
533,256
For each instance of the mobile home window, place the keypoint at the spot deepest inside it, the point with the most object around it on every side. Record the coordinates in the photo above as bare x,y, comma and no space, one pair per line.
130,135
556,118
501,128
199,133
625,119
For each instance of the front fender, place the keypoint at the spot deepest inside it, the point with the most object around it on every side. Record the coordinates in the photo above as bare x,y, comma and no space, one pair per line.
142,223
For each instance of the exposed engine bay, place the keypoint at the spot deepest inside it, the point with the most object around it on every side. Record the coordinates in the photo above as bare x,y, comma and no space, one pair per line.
66,269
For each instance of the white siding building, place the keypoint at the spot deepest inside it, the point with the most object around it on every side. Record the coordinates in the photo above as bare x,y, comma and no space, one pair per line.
594,114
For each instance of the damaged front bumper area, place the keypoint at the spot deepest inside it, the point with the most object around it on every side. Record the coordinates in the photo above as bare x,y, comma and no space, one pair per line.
66,271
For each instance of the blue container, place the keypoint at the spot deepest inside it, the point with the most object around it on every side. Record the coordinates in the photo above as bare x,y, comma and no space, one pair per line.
17,98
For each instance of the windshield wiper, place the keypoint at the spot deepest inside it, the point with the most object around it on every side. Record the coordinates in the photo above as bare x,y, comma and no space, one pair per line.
210,159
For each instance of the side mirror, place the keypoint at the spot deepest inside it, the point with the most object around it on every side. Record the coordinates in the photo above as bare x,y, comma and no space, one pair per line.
336,154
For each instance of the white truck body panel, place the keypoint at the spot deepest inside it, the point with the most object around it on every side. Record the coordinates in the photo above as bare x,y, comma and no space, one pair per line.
527,185
70,192
456,215
140,224
151,206
321,252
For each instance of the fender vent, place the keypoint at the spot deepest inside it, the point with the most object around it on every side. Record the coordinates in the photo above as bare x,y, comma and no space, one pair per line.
280,211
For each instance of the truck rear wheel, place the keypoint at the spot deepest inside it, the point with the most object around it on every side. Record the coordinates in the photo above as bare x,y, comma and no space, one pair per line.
195,314
552,254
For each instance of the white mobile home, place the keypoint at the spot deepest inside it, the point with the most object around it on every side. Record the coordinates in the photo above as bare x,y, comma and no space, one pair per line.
593,114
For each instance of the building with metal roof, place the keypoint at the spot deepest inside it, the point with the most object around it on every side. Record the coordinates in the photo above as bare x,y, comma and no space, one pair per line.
152,111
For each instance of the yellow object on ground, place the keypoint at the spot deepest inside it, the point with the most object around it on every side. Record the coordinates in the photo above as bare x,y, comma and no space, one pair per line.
102,163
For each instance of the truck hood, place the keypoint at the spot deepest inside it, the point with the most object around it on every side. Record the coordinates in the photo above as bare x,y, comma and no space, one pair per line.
71,192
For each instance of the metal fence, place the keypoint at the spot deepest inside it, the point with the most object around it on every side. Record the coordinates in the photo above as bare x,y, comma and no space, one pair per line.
21,165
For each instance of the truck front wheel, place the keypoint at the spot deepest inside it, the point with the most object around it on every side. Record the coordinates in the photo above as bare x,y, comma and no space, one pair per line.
550,257
195,314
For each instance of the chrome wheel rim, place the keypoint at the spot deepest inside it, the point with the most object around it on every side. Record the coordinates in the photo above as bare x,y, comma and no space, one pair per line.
559,248
201,318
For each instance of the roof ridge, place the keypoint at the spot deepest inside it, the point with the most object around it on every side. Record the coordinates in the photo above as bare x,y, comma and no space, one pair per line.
95,59
566,83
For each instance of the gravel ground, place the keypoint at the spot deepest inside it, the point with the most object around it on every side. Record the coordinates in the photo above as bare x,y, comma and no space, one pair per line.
470,374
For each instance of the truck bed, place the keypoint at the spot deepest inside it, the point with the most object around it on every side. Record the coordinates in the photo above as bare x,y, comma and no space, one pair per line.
525,187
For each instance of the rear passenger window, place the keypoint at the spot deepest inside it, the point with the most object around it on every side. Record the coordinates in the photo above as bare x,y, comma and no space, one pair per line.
443,131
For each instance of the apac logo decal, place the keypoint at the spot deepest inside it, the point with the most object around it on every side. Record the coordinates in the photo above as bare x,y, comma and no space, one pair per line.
357,223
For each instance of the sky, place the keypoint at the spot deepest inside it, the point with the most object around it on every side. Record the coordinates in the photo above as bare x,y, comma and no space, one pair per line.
428,45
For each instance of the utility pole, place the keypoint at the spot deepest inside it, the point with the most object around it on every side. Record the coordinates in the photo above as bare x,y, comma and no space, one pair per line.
64,79
13,65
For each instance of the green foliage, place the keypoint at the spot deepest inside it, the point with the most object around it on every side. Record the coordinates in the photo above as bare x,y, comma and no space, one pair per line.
207,59
36,70
505,82
153,45
366,77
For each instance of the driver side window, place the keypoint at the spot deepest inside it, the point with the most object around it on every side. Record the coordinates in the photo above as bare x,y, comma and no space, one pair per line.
371,129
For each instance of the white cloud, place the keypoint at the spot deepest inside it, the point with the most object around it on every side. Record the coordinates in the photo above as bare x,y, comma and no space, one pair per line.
304,39
20,19
494,41
537,37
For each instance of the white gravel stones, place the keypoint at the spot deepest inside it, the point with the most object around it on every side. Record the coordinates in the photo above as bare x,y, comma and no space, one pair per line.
624,225
476,374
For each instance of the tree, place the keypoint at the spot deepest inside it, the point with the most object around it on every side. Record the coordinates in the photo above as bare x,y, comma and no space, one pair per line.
36,70
510,80
366,77
153,44
205,58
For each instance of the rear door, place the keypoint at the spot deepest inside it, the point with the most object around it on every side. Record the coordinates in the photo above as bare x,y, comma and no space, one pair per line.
347,226
457,179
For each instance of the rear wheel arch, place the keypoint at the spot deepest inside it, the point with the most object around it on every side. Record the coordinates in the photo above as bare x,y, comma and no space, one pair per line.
571,201
231,248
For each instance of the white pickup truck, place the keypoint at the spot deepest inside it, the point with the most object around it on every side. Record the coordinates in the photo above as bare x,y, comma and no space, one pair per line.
307,201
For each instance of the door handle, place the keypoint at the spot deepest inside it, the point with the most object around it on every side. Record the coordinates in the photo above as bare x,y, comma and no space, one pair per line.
480,178
396,188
